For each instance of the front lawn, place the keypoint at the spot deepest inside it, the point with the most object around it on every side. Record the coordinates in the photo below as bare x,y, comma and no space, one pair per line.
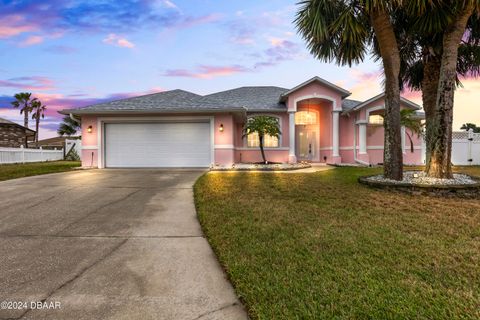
12,171
320,245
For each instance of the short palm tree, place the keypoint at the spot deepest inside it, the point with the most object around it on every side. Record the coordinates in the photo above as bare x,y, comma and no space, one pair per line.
68,127
410,121
262,125
38,112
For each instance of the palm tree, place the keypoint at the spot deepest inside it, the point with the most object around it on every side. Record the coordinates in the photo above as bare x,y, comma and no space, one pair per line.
262,125
424,62
344,31
470,126
38,112
440,148
23,101
410,121
68,127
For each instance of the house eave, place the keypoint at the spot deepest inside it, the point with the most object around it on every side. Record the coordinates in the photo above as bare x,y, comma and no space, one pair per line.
148,111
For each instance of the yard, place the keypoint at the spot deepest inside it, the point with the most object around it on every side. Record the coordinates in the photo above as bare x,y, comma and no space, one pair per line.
320,245
13,171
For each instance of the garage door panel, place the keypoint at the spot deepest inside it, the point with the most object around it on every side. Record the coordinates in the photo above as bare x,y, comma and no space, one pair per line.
179,144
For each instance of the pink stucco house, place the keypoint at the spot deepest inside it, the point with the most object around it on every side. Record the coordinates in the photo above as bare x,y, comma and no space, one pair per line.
182,129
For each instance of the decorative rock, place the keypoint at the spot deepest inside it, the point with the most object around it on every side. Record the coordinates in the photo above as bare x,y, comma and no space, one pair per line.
416,182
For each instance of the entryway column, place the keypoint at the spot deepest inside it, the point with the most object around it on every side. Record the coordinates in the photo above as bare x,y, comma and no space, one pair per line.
291,131
336,133
362,137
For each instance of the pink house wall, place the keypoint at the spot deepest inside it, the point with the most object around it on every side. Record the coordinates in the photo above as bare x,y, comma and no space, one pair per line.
89,154
375,138
312,90
230,147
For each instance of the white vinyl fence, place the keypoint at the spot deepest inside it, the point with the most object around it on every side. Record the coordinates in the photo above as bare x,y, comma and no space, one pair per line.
466,148
22,155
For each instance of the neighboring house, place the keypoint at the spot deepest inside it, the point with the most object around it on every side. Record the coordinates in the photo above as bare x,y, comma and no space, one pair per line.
182,129
55,142
12,135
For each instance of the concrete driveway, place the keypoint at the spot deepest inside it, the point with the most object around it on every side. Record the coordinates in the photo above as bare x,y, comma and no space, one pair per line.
109,244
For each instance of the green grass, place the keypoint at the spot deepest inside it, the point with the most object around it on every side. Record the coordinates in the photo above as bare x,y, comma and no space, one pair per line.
13,171
322,246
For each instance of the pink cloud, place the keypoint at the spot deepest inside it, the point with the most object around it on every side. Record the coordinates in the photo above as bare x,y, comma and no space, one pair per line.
32,40
116,40
13,25
29,83
365,84
206,72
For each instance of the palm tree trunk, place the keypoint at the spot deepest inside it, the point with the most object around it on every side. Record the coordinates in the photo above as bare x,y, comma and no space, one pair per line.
387,42
431,75
260,138
25,119
37,126
440,165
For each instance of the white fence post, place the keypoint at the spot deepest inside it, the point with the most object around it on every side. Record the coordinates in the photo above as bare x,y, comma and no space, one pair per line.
23,153
469,148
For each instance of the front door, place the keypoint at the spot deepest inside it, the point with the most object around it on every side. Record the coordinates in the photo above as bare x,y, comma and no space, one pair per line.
306,142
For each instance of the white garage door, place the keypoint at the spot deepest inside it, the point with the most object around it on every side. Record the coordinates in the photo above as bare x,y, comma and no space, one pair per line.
167,144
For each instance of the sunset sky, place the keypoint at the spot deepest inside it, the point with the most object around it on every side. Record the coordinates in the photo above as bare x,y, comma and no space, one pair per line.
74,53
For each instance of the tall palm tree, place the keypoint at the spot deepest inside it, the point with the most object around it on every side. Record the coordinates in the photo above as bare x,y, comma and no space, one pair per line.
68,127
440,148
262,125
422,63
38,112
344,31
23,101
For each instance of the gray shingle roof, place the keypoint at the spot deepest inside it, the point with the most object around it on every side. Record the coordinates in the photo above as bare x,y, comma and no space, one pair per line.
252,98
260,98
348,104
167,101
11,123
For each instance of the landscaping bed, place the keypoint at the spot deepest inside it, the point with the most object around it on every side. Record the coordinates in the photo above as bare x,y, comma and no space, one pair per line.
262,167
12,171
322,246
416,182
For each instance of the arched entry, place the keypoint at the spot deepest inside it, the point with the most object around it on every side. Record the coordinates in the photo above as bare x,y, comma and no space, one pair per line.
307,135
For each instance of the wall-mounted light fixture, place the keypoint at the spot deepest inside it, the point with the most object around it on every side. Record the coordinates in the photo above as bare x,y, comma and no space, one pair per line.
220,128
89,129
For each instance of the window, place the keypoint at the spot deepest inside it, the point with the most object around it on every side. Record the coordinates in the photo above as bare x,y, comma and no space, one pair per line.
305,117
268,141
375,119
253,140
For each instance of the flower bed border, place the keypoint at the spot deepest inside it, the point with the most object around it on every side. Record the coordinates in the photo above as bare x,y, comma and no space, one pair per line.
272,168
439,190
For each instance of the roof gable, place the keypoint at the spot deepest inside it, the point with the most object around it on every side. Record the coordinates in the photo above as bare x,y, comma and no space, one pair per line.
409,103
344,93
